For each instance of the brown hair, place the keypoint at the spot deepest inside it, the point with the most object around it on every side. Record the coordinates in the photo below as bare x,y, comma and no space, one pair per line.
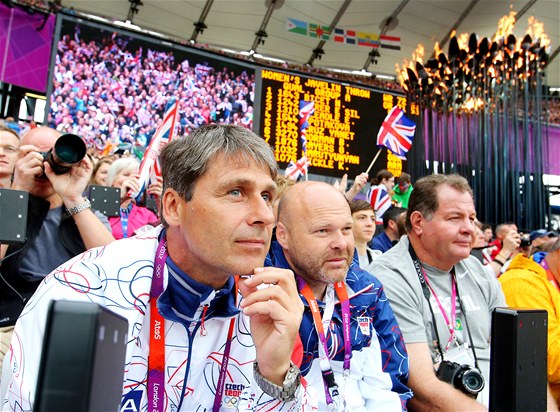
424,196
359,205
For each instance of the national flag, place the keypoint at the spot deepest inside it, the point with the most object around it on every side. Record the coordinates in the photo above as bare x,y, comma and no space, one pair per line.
149,168
321,32
295,170
390,42
339,35
306,110
379,199
350,37
296,26
368,39
396,133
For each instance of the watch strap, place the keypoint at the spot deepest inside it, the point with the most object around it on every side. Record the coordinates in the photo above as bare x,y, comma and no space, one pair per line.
79,208
285,393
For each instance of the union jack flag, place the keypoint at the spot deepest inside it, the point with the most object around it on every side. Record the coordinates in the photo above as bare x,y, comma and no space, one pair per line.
149,168
380,201
396,133
306,110
295,170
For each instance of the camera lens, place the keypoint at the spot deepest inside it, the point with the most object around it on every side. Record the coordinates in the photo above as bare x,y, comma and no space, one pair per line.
472,380
68,150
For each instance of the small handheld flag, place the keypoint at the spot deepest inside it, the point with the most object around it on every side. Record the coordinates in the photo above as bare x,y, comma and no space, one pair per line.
295,170
149,168
396,133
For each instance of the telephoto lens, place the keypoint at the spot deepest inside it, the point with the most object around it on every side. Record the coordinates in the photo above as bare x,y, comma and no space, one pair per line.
68,150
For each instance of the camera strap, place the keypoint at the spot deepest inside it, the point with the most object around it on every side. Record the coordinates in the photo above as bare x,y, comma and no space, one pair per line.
428,291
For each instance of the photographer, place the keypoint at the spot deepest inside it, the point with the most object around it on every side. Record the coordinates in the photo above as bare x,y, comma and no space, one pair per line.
60,224
442,297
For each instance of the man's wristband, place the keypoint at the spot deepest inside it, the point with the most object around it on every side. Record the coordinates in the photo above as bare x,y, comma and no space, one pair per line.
498,261
77,209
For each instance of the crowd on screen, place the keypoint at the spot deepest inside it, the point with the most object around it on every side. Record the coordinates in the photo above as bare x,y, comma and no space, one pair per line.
109,95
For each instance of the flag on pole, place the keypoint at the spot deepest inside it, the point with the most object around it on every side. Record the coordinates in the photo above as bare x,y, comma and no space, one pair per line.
295,170
149,168
396,133
306,110
380,200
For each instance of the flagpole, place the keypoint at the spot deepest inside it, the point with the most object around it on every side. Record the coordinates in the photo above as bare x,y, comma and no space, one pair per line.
373,161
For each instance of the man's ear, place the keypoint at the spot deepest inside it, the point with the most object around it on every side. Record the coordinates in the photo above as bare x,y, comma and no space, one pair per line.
282,235
173,207
416,220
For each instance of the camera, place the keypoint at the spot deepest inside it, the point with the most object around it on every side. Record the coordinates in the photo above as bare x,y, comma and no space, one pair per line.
464,377
68,150
525,241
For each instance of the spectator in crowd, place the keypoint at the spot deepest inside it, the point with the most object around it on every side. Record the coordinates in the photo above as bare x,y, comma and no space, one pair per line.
100,170
541,236
380,192
478,243
390,235
123,174
283,183
487,232
442,296
503,230
539,274
60,225
9,144
314,232
402,190
217,210
363,230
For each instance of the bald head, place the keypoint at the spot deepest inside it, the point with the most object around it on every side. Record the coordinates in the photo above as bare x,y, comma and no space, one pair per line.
315,231
307,197
41,137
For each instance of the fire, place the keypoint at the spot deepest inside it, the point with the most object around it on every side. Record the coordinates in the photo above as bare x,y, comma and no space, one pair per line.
463,40
536,31
505,25
418,55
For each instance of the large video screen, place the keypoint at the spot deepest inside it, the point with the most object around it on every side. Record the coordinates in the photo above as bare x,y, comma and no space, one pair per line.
112,86
334,124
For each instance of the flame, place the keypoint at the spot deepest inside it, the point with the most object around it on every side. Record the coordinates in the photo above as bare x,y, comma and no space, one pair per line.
437,49
536,31
402,76
505,25
463,40
472,104
418,54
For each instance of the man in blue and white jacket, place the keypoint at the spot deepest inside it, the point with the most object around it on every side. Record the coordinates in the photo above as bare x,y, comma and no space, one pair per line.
217,210
354,356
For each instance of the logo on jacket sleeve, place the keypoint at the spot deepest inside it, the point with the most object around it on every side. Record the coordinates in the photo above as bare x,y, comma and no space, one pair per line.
364,322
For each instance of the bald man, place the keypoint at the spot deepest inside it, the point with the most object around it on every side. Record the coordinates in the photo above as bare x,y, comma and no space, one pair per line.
60,225
315,240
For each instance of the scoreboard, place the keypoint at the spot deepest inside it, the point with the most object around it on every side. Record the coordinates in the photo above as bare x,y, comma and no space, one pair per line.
338,122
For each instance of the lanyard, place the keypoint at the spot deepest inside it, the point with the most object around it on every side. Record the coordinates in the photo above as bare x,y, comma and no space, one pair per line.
156,358
549,274
124,222
450,321
427,290
331,388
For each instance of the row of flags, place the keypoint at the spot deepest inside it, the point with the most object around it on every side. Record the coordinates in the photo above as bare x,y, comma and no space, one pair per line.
341,35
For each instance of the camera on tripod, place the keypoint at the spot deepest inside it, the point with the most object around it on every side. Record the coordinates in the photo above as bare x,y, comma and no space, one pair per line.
463,377
68,150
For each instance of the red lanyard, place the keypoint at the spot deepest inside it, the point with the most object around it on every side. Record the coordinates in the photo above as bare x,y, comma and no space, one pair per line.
156,358
549,274
331,388
449,321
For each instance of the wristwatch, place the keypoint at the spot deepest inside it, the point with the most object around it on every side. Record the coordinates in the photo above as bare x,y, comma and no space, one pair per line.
77,209
286,392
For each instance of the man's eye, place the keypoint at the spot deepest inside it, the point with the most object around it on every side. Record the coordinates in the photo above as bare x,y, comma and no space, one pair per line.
235,192
267,197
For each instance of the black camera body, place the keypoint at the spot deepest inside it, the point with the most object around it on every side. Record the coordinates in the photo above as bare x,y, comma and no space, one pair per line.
525,241
68,150
463,377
